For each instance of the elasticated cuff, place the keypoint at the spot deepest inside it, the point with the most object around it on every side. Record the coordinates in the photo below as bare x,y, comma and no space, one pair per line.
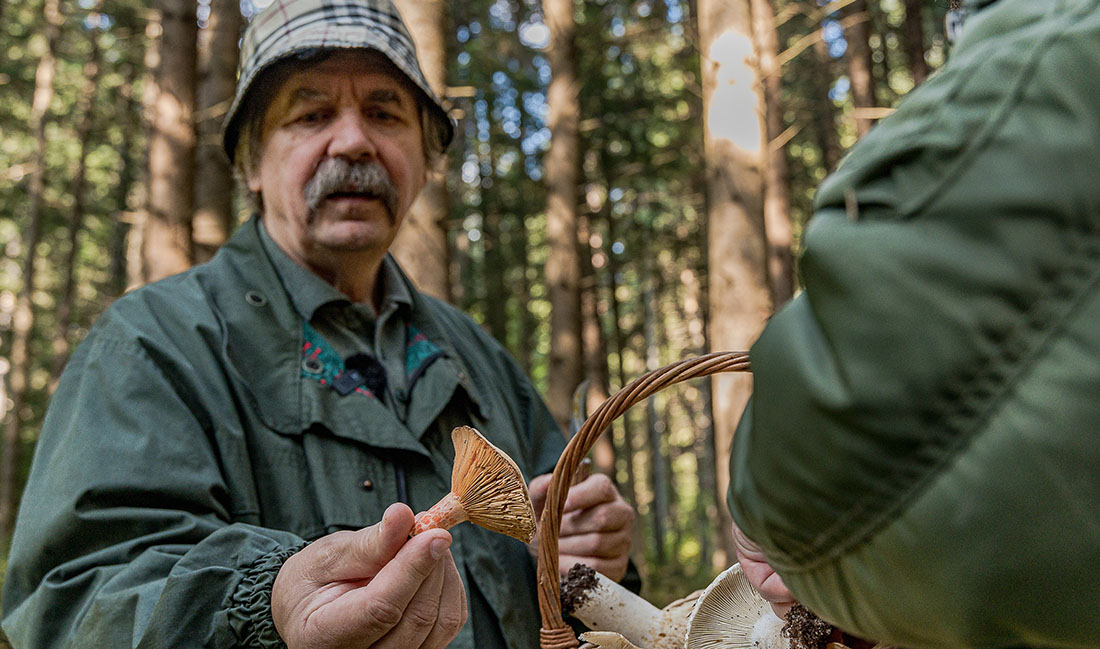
250,606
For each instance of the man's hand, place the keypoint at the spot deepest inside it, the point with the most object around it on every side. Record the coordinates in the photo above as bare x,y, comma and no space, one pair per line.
374,587
595,525
761,575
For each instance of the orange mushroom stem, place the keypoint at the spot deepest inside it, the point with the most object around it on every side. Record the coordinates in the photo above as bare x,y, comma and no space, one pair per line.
443,515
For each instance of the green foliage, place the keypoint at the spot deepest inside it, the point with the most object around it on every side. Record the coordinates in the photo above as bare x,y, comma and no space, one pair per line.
120,37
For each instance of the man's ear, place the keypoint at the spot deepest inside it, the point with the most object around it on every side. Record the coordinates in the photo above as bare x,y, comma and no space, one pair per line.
253,180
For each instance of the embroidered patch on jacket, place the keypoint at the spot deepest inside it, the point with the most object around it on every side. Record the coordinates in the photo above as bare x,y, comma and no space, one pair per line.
320,361
419,354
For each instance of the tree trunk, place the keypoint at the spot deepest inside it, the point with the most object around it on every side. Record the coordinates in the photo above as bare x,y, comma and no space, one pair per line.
463,294
860,64
136,272
562,167
595,348
421,245
676,498
619,337
494,269
824,112
85,109
127,110
703,443
777,205
214,218
657,443
527,323
167,239
23,318
914,40
739,295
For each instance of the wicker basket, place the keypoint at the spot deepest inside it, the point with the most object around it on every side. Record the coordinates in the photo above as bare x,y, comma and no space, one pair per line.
555,633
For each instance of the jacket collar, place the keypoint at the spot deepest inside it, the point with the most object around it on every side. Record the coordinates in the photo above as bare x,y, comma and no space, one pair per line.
262,337
311,292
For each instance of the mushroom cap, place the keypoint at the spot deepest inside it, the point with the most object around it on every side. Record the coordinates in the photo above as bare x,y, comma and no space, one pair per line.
607,640
730,614
490,486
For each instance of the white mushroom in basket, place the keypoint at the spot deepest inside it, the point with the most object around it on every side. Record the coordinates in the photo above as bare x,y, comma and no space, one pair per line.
730,614
603,605
487,489
607,640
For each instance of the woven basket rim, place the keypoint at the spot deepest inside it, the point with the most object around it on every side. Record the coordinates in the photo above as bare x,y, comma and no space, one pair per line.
555,633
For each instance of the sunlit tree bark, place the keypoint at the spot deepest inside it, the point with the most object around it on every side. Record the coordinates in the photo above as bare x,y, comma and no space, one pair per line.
214,218
23,318
167,244
562,169
739,295
421,245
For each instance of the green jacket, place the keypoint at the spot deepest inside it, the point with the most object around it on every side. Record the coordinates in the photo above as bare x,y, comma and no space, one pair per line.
921,458
195,442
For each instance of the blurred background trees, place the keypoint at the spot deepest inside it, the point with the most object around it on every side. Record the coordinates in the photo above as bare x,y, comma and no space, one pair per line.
627,186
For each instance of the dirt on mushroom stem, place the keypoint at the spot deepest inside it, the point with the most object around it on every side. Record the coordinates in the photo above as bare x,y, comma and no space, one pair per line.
576,587
806,630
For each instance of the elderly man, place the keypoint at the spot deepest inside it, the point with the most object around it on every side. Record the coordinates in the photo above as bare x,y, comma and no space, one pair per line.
222,437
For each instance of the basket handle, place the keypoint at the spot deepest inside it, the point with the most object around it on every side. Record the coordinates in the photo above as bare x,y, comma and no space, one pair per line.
555,633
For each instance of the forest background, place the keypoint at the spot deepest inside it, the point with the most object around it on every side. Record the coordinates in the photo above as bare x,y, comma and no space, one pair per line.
626,189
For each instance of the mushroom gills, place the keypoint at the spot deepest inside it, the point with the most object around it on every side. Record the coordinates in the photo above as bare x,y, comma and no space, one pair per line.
730,614
487,489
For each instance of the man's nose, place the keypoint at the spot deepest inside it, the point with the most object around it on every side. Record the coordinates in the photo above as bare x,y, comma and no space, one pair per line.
352,138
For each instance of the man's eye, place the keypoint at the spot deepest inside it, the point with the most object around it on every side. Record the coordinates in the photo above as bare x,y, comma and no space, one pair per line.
384,115
313,117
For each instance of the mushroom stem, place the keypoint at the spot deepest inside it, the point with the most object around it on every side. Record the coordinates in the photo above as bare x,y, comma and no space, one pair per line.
443,515
603,605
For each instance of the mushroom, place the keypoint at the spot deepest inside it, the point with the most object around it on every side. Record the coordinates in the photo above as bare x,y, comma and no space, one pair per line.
730,614
603,605
487,489
607,640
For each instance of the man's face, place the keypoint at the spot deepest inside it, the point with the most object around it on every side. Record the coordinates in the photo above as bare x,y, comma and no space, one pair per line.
324,130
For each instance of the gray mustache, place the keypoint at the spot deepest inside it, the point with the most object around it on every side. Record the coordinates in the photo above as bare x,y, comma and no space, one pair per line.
338,175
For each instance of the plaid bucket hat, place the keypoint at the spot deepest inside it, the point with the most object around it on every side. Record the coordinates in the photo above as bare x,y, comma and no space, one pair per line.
294,27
